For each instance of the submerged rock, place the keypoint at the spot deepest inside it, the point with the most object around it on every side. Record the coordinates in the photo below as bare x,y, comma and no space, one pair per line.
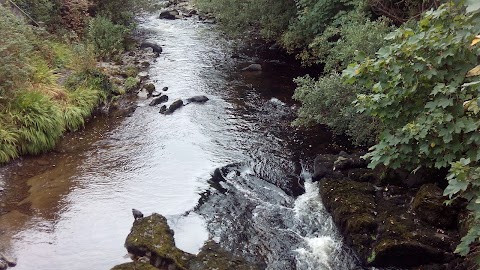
163,109
198,99
169,14
158,100
174,106
253,67
157,49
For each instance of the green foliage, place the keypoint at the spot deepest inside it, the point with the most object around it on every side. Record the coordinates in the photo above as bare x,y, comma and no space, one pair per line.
46,11
121,12
270,18
84,59
313,17
328,101
14,51
8,141
428,106
38,122
81,104
339,44
131,83
106,37
417,93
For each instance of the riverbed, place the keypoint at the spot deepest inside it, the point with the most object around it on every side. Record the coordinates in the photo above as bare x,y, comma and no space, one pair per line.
232,169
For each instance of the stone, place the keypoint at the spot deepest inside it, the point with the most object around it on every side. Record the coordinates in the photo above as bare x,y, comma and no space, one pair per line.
253,67
157,49
142,75
152,237
158,100
9,260
163,109
429,206
3,265
137,214
198,99
165,88
150,87
169,14
156,94
174,106
136,265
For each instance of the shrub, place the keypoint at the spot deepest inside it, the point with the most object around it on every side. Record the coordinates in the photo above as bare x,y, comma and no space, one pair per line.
14,51
328,101
106,37
416,90
339,44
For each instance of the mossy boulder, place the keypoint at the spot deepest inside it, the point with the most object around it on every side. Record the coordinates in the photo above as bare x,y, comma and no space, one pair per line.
136,265
429,206
152,245
404,253
152,237
212,256
353,208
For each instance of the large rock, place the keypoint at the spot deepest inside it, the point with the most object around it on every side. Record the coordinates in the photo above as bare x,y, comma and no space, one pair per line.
136,265
152,244
429,206
198,99
169,14
157,49
151,237
158,100
174,106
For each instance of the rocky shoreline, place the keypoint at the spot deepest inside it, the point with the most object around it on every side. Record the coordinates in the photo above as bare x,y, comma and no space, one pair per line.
391,218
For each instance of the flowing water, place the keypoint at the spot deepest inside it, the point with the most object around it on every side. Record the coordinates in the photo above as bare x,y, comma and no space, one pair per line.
231,169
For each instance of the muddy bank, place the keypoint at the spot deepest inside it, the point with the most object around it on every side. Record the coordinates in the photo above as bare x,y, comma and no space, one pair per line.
391,218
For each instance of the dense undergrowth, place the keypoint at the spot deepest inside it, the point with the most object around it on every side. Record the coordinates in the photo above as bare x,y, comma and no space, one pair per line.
412,95
49,82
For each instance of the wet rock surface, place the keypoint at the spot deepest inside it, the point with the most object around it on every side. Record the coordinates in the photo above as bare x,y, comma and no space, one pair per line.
384,220
152,245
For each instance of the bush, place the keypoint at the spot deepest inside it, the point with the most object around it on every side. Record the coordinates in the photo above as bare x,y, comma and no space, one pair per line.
106,37
339,44
416,90
328,101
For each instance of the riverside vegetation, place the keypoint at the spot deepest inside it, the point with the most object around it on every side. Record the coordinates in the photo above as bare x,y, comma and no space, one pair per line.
399,77
49,80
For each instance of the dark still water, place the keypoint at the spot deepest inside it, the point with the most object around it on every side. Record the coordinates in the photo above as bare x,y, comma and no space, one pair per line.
231,169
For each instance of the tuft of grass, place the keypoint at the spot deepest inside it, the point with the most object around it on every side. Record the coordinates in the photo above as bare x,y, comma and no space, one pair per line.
80,106
38,122
8,141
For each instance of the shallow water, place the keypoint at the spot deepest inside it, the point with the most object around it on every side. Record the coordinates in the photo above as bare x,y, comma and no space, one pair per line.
78,212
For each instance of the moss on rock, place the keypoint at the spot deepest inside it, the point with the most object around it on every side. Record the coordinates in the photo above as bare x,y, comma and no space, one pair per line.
152,237
136,265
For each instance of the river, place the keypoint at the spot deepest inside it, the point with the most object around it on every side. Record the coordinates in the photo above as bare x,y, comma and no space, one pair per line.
232,169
